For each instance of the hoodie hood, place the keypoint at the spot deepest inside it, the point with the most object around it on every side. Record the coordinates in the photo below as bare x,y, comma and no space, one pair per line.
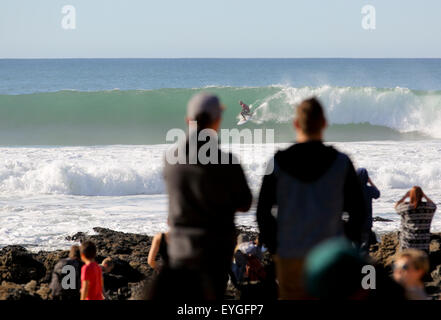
306,161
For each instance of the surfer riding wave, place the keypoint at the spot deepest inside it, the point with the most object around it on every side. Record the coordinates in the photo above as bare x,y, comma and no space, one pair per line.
245,110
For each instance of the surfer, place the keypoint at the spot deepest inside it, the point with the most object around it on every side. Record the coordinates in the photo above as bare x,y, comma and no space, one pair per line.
245,110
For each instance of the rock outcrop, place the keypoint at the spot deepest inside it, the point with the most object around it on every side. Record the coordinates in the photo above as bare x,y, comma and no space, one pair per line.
26,276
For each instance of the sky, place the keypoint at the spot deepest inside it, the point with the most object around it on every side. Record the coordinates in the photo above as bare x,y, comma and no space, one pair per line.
220,29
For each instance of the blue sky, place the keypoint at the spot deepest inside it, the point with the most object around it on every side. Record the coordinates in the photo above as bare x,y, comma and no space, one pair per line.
225,29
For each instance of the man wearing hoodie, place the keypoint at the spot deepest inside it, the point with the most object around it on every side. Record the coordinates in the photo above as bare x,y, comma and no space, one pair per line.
312,185
370,192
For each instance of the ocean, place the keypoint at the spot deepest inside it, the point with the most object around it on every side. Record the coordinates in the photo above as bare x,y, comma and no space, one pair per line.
82,140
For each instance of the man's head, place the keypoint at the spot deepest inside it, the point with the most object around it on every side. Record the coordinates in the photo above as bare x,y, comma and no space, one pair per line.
206,109
107,264
88,251
333,271
410,267
310,120
75,253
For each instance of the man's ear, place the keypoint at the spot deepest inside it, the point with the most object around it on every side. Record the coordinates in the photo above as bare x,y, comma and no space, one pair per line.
187,120
325,123
295,123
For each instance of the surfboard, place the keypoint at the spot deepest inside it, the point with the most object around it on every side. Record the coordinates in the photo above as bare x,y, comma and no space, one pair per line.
242,120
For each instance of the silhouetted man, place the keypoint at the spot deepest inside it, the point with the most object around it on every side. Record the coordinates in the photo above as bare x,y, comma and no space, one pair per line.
203,199
311,185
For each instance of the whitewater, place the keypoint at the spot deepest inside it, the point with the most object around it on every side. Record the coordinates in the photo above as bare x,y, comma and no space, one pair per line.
47,193
82,141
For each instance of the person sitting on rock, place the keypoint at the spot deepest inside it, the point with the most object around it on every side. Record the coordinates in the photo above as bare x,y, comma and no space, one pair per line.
72,291
416,219
107,265
247,263
410,267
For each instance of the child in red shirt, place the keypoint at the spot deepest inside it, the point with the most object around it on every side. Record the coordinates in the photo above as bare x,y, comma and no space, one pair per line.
91,274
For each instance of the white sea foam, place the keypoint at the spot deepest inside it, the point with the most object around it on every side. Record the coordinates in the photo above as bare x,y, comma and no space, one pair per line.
399,108
48,193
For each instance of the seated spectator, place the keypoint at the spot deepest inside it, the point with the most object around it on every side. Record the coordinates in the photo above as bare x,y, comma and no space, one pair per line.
248,272
247,263
73,290
107,265
416,219
410,267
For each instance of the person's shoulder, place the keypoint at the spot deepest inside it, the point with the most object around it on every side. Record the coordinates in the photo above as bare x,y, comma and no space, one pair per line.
157,237
85,267
428,205
402,207
340,154
94,267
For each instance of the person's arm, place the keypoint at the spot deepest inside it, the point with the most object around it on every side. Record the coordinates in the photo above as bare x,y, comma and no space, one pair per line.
154,248
374,190
402,199
84,289
354,205
428,199
266,221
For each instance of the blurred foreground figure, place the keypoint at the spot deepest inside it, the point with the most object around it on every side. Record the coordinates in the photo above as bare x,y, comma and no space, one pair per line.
410,267
203,199
334,270
311,185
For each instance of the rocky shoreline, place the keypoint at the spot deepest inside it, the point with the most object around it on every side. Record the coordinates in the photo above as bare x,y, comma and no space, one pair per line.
25,275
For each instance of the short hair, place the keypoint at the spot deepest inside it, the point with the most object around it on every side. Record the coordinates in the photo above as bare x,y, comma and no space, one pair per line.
418,259
107,262
88,248
310,116
74,252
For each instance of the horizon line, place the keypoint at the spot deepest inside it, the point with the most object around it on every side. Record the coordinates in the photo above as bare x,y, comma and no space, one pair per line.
213,58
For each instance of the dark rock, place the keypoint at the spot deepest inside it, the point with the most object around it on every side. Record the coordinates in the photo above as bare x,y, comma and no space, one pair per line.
19,266
384,251
112,282
380,219
14,291
49,260
79,236
26,275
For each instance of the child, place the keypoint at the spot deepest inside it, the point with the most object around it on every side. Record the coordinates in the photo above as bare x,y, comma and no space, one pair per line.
91,274
107,265
409,269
